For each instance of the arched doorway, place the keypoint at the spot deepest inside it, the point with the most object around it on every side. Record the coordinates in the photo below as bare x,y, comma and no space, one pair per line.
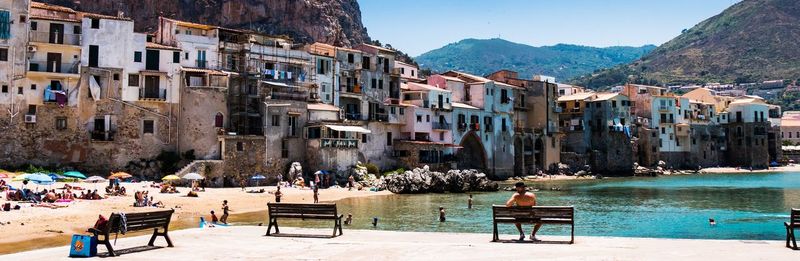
219,120
538,150
471,155
519,161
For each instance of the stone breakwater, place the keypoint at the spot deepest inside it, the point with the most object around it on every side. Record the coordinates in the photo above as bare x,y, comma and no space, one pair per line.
422,180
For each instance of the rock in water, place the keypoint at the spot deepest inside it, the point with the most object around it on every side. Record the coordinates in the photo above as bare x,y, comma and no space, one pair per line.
422,180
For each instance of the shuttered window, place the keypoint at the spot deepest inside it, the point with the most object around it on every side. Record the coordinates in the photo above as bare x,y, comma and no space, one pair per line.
5,24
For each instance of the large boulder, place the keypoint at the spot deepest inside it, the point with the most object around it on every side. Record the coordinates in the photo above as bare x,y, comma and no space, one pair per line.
422,180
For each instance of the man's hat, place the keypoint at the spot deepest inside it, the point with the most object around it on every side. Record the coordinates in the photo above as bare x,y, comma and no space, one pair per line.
520,184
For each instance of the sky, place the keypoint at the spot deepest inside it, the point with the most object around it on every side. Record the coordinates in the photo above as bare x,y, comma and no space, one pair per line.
418,26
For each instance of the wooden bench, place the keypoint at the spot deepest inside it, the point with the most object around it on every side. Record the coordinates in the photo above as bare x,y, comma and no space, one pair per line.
564,215
794,223
303,211
157,220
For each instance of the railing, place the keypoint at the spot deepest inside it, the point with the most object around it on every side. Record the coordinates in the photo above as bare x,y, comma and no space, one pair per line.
290,93
353,116
202,64
380,117
441,125
576,110
102,135
666,121
55,38
351,89
53,67
153,93
51,96
339,143
663,108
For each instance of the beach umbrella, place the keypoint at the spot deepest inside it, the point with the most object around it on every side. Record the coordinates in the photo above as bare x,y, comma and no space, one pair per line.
21,177
75,174
120,175
57,177
95,180
258,178
193,176
170,178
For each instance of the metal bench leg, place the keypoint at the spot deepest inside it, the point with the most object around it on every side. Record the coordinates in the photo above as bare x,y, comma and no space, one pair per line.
788,233
272,222
166,236
109,248
153,238
495,237
572,235
794,240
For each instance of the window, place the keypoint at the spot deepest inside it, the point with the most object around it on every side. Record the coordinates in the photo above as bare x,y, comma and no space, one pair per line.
137,57
504,96
374,83
219,120
503,126
402,70
428,118
292,126
19,90
412,73
176,57
284,149
363,138
32,109
314,132
613,104
441,136
276,120
402,111
95,23
61,123
34,26
350,58
5,89
391,110
380,84
365,63
33,86
148,126
3,54
186,56
133,80
5,24
388,139
116,77
419,118
239,146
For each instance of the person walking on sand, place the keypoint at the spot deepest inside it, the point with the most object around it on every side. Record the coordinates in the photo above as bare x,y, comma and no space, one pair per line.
316,194
225,210
523,198
351,182
278,195
469,202
441,214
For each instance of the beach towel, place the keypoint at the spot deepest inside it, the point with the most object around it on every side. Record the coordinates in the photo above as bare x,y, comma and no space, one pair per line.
123,226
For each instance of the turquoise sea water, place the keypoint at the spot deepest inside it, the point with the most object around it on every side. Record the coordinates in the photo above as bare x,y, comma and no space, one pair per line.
745,206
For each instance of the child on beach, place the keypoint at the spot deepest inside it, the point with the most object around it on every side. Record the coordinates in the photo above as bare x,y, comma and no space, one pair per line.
441,214
349,219
316,194
469,202
225,209
278,195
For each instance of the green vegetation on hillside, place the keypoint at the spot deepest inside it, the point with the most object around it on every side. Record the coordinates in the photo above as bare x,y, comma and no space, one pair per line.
484,56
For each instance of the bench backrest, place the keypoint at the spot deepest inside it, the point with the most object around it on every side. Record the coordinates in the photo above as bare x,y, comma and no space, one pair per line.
140,220
794,218
563,212
283,209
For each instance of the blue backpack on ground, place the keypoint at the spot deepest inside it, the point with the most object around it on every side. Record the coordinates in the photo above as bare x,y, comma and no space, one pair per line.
83,246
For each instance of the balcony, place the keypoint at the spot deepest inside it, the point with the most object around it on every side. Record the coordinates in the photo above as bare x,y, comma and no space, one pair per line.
102,135
462,126
201,64
288,93
441,126
55,38
667,121
52,67
152,94
353,91
339,143
56,96
663,108
354,116
380,117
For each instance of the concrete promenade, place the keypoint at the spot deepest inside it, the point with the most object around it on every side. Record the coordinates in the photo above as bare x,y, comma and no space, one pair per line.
249,243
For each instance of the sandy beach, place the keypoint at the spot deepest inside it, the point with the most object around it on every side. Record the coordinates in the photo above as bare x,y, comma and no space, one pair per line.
36,227
789,168
249,243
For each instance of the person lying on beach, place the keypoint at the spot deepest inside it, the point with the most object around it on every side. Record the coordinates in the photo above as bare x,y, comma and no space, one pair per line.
523,198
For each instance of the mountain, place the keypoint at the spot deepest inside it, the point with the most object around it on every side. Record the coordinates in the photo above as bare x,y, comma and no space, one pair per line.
750,41
330,21
564,61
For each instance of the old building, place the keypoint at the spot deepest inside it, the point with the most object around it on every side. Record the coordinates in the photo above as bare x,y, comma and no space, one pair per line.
14,26
536,136
748,129
610,128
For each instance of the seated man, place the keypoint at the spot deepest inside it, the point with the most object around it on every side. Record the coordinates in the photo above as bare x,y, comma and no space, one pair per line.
523,198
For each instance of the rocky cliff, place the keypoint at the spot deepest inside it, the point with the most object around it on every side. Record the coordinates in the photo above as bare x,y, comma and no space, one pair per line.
330,21
422,180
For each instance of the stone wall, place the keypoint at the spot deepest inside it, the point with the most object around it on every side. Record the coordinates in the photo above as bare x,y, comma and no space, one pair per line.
244,156
747,145
197,132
